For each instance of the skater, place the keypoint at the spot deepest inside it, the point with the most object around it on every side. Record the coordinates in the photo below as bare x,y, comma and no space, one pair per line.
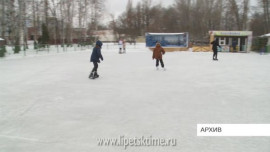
157,54
215,44
95,56
120,43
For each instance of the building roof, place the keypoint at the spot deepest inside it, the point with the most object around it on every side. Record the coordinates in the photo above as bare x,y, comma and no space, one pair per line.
231,33
266,35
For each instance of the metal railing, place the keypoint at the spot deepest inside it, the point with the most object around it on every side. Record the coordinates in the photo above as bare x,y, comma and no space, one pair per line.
25,50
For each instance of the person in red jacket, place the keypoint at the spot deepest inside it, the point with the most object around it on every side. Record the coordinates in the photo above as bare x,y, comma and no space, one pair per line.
157,54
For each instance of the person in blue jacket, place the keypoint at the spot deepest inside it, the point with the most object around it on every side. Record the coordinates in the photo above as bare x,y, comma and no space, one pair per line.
95,56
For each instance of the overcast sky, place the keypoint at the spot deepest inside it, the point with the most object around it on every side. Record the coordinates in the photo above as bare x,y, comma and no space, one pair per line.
116,7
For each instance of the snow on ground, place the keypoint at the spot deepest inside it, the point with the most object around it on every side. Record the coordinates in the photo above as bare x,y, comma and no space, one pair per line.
48,104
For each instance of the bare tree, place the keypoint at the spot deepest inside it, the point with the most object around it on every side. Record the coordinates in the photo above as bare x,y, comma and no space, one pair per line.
96,12
245,14
183,8
194,16
146,6
82,16
3,18
138,18
266,13
46,9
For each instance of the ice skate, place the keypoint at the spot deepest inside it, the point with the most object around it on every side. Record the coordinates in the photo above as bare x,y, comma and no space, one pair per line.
96,75
91,75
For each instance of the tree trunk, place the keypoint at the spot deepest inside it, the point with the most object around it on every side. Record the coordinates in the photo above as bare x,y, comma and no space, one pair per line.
3,25
245,14
235,10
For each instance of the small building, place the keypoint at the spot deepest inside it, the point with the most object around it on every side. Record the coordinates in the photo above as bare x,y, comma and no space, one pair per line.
268,37
268,42
104,35
169,41
233,41
79,35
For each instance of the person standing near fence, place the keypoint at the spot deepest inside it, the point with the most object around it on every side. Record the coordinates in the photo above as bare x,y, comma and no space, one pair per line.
95,56
157,54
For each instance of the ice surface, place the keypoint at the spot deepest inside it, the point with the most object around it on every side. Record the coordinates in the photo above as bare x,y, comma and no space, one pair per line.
48,104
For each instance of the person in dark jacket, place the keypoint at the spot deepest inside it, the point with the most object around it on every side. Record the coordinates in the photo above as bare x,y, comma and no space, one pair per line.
95,56
215,44
157,54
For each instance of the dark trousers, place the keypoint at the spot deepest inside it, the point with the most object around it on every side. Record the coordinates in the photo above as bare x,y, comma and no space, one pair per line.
95,67
161,62
215,55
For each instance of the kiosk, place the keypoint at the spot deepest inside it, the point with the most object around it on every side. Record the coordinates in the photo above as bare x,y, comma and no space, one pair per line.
169,41
232,41
268,42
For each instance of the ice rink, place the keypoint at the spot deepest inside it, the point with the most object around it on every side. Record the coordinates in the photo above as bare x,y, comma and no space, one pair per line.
48,104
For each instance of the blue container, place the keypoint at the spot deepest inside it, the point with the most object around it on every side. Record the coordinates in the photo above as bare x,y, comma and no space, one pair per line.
167,39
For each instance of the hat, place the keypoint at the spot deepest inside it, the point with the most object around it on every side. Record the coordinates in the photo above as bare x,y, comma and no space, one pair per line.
99,43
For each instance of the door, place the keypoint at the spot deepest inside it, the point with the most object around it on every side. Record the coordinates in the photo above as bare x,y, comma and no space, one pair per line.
243,44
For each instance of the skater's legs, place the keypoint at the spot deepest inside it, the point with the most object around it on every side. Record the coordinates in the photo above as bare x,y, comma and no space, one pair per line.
94,70
95,67
157,62
162,64
215,55
94,73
